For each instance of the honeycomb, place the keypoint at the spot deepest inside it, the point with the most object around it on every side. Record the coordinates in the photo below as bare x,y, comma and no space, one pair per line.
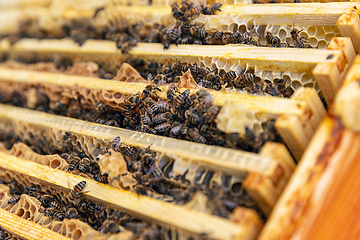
31,209
23,151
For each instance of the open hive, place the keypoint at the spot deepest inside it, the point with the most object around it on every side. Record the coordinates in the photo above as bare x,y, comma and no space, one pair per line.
171,185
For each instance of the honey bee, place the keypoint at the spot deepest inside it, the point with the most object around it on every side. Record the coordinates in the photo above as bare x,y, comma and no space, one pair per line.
218,36
55,204
184,40
211,10
192,117
248,39
13,200
185,28
283,45
204,71
196,136
176,11
273,40
209,40
111,123
211,114
77,191
163,107
230,75
109,226
84,164
165,39
130,151
285,90
163,127
73,163
198,32
71,213
162,117
193,10
49,212
46,200
116,143
152,104
182,97
58,215
300,42
243,79
174,33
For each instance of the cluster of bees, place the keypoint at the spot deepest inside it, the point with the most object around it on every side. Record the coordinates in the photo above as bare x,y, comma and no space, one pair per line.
59,206
211,79
5,235
186,116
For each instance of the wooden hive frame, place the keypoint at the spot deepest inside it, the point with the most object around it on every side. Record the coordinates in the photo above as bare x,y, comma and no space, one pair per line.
320,200
297,118
159,212
327,71
273,165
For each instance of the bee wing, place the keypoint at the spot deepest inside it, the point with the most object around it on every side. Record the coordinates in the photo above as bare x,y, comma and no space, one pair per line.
170,28
149,78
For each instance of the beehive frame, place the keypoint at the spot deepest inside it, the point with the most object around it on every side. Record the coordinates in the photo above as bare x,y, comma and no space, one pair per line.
299,116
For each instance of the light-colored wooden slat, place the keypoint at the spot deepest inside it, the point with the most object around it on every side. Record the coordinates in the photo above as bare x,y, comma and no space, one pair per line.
271,59
181,218
264,189
316,14
349,26
268,105
26,229
289,209
354,72
216,158
329,79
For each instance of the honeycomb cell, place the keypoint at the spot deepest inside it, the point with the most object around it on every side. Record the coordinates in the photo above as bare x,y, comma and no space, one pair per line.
304,35
329,29
310,85
242,28
320,33
313,41
296,84
250,25
322,44
223,28
329,36
287,78
306,78
282,34
214,22
336,30
311,31
233,27
76,234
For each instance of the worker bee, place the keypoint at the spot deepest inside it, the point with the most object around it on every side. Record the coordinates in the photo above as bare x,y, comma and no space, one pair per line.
185,28
174,32
111,122
55,204
46,200
163,127
13,200
77,191
84,164
58,215
193,10
211,114
71,213
230,75
182,97
283,45
211,10
300,42
273,40
285,90
192,117
130,151
144,118
184,40
152,104
162,117
109,226
248,39
243,79
196,136
198,32
163,106
218,36
116,143
165,39
176,11
49,212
